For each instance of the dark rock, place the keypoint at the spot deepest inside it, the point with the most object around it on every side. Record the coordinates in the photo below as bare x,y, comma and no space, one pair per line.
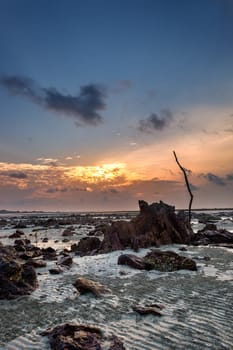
3,222
66,261
117,344
17,234
36,263
55,271
20,225
211,235
153,309
156,224
158,260
68,232
65,240
74,337
45,240
86,246
49,253
183,249
168,261
84,285
23,242
132,261
16,278
70,336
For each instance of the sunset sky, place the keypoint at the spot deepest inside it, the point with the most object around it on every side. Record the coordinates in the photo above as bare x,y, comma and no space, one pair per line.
96,94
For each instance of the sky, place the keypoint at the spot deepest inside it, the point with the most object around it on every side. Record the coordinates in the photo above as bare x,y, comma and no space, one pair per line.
95,95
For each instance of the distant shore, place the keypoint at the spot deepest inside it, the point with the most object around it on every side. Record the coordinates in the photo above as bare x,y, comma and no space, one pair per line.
5,211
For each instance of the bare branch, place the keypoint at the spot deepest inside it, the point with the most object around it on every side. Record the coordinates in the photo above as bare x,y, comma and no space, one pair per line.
187,183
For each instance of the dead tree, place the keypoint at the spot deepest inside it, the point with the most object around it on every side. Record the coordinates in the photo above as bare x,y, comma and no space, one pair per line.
187,183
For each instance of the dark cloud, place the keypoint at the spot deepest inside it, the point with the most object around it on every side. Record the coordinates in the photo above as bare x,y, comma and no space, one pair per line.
217,180
54,190
113,190
14,174
229,177
155,122
84,108
81,189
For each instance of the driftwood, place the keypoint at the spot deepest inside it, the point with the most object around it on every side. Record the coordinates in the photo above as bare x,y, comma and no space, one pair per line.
187,183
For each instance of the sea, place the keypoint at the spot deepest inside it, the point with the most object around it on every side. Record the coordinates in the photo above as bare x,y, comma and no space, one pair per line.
198,305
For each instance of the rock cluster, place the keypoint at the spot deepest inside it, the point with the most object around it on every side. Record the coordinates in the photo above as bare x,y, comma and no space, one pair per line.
165,261
156,224
70,336
15,278
210,234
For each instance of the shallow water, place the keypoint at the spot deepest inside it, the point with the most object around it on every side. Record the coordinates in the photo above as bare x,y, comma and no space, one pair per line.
198,311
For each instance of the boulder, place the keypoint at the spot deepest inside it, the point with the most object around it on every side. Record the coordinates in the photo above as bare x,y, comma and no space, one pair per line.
69,231
36,263
168,261
156,224
132,261
66,261
211,235
49,253
15,278
84,285
70,336
158,260
55,270
86,246
16,234
151,309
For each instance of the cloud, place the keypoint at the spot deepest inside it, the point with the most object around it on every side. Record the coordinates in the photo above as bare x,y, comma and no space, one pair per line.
113,190
55,190
84,107
229,177
217,180
14,175
155,122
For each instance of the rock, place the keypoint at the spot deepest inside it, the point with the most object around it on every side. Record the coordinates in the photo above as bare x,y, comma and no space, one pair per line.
168,261
156,224
66,261
158,260
117,344
152,309
23,242
36,263
49,253
84,285
16,278
55,271
20,225
17,234
86,246
74,337
132,261
3,222
45,240
70,336
183,249
211,235
68,232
